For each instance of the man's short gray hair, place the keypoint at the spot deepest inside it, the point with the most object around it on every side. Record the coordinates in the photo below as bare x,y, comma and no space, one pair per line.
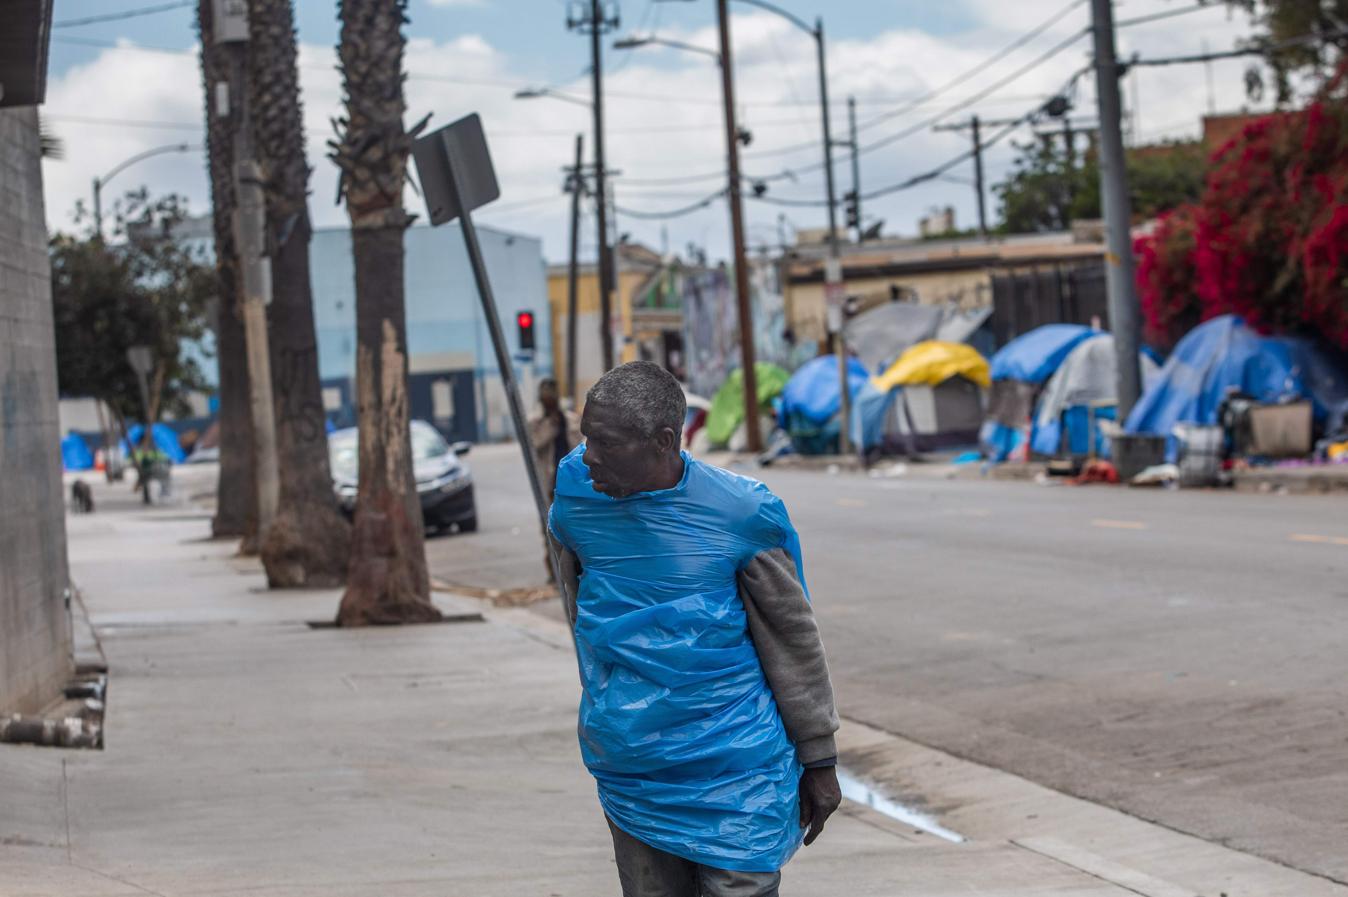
647,394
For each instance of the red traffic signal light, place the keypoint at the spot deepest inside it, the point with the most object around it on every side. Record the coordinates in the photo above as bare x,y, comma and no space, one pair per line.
524,323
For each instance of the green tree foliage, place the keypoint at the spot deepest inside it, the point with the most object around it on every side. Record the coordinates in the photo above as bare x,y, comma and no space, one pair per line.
1297,38
142,289
1046,189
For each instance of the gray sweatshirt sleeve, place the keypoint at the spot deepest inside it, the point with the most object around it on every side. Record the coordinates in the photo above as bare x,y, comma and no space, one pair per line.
570,578
783,628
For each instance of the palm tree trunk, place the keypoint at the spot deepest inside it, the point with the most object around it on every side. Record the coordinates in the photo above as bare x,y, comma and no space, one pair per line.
236,490
308,541
387,581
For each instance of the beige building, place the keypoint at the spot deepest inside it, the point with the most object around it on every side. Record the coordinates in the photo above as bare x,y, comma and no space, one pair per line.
647,316
957,272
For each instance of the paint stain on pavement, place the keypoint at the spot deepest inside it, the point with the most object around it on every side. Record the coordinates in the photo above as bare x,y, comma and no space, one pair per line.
1118,524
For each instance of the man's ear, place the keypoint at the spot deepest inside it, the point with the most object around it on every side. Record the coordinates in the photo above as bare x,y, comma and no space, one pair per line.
666,440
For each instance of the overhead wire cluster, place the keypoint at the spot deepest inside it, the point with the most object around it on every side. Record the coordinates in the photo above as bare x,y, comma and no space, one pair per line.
758,183
760,194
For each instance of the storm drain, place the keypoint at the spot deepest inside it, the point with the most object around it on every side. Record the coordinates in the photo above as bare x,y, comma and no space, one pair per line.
863,793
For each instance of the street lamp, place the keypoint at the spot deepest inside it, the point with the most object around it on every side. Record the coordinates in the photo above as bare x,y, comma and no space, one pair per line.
100,183
633,42
533,93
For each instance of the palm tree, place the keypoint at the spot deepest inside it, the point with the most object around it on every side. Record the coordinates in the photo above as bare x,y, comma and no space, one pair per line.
236,504
387,581
308,540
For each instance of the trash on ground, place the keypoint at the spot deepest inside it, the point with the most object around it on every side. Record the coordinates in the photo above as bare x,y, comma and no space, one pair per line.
1157,475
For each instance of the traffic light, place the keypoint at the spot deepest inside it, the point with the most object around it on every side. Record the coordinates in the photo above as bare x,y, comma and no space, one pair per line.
853,215
524,323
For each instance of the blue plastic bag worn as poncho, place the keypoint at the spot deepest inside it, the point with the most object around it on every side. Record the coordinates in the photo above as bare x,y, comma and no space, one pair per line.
677,723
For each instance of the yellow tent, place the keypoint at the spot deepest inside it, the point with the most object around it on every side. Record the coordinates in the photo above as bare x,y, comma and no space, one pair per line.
933,362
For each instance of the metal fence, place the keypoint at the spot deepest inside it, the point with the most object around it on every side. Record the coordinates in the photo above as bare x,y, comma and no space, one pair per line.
1050,294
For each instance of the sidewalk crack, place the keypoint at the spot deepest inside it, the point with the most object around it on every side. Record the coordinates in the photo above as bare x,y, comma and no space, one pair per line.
123,881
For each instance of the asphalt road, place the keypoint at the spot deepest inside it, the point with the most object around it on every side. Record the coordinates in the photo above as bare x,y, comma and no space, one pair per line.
1182,656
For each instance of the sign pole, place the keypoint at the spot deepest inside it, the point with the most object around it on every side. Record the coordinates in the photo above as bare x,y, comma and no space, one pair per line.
455,189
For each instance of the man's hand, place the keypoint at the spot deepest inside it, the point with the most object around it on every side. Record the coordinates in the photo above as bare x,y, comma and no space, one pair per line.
819,797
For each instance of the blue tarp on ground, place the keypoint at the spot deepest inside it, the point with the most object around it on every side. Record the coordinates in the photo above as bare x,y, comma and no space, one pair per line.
1224,354
164,439
812,393
75,454
1033,357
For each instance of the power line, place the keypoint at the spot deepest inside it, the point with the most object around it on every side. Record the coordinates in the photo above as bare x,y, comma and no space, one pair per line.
920,178
1166,14
932,120
125,14
981,67
1032,64
1258,49
679,212
125,122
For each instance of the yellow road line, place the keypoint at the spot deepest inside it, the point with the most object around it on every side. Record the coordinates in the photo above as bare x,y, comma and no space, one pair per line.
1318,540
1119,524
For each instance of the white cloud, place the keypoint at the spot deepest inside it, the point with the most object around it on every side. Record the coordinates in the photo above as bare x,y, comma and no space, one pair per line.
664,115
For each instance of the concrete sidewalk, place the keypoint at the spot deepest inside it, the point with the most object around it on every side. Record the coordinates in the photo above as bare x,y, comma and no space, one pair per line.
248,753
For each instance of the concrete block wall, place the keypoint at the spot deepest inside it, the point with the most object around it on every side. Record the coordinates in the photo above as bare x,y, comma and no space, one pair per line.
35,639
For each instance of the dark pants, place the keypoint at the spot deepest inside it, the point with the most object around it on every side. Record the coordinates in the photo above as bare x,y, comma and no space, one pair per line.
647,872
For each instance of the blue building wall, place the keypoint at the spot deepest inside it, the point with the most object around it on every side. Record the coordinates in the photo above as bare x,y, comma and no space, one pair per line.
447,336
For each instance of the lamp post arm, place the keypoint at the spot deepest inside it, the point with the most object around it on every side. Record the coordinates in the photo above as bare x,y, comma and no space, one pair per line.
692,48
793,19
175,148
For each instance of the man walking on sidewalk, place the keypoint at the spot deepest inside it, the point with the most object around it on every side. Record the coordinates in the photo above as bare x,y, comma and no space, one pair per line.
707,714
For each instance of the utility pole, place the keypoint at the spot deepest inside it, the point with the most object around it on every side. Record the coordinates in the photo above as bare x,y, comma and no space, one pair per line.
974,125
250,221
596,22
978,178
856,163
1119,273
1069,143
746,319
834,291
575,182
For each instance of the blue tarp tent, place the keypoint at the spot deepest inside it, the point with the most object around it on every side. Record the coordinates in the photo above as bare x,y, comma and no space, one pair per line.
811,401
1033,357
75,454
812,393
164,439
1018,369
1224,354
1086,379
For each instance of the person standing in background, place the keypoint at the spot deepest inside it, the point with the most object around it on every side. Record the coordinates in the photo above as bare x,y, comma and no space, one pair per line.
553,433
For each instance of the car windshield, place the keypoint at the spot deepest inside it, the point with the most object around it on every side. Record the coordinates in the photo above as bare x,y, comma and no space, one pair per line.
343,455
344,450
427,443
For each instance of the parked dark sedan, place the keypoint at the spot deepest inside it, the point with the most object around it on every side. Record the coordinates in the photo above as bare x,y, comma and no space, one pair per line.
444,482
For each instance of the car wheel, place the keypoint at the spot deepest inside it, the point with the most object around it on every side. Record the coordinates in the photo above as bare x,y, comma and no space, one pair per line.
469,525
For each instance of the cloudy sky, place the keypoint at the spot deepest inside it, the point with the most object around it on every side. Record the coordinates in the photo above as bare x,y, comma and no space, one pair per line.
121,87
